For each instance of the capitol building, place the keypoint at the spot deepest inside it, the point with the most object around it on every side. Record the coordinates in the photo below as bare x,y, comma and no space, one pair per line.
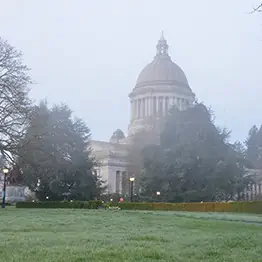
160,85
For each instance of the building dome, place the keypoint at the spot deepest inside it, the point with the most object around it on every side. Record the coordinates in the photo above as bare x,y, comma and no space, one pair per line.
162,70
117,136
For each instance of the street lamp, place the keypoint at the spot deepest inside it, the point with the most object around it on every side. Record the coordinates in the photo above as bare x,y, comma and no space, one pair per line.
157,195
131,179
5,171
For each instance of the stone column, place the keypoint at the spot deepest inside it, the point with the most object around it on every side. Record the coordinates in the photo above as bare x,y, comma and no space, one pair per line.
146,100
111,180
136,109
249,193
117,181
167,107
162,108
172,101
144,107
147,106
120,183
256,192
125,183
150,106
139,108
178,103
163,105
132,109
157,106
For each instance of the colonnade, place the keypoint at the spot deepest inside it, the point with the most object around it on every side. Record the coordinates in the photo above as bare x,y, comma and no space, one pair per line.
252,192
122,182
156,105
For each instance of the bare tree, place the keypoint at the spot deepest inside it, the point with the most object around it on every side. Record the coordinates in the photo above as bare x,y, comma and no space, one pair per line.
258,8
14,101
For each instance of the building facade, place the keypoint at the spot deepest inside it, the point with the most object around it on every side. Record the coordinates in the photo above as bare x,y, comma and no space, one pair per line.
160,85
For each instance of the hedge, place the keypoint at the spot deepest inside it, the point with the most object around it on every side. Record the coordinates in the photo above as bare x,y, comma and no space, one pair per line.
242,207
93,204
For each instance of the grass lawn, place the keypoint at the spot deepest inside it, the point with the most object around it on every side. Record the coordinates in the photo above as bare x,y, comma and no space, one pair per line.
103,235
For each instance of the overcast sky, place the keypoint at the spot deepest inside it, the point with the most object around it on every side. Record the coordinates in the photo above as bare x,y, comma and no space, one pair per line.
89,54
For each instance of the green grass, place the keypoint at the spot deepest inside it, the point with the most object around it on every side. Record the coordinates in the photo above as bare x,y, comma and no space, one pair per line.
99,235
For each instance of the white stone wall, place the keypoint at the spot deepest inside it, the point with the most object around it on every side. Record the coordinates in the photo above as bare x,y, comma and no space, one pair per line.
114,177
113,164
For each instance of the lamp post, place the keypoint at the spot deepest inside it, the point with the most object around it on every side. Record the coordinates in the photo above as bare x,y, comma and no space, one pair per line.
158,194
5,171
131,179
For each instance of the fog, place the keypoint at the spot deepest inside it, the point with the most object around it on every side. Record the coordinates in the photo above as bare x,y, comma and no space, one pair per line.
89,54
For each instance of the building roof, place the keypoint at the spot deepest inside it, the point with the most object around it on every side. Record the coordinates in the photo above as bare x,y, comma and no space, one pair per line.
162,70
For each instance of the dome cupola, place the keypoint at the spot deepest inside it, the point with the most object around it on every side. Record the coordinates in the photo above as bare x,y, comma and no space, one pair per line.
117,136
162,70
161,85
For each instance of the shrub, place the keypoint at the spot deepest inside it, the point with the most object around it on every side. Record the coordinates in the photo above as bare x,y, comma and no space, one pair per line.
6,204
93,204
243,207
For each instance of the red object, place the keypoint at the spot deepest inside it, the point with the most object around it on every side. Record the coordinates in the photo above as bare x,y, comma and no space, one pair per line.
121,199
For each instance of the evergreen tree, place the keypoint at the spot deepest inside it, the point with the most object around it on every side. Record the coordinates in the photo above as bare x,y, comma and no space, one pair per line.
55,156
254,147
194,161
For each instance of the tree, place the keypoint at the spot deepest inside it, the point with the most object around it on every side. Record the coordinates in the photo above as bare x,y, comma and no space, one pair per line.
254,147
138,142
14,101
2,162
56,157
194,161
15,176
